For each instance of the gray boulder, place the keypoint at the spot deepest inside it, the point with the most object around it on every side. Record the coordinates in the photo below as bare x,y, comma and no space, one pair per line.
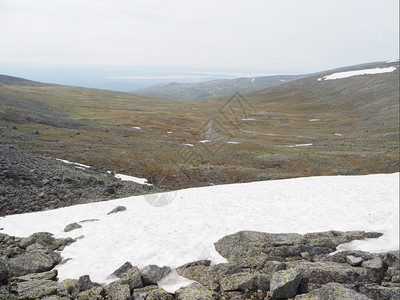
140,293
45,239
95,293
117,209
243,282
375,269
33,262
252,249
158,294
195,291
354,261
152,274
49,275
4,272
72,226
284,283
122,269
85,283
72,286
333,291
208,275
375,291
38,289
132,278
117,291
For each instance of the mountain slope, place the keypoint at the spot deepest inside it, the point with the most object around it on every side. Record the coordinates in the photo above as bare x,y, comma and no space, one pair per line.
214,88
305,127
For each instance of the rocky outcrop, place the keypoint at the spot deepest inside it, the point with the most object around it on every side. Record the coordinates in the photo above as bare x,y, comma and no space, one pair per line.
195,291
33,183
251,249
282,271
284,283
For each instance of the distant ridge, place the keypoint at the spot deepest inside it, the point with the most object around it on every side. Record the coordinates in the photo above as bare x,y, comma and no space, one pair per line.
227,87
214,88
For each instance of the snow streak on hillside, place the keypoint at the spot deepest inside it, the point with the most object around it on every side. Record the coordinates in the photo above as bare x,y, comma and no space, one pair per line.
186,229
347,74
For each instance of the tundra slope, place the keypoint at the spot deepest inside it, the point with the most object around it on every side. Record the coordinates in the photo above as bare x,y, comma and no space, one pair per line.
305,127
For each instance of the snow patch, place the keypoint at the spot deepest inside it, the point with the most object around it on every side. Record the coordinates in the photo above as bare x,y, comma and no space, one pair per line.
314,120
233,142
132,178
190,145
347,74
299,145
338,134
248,119
205,141
186,229
136,127
79,166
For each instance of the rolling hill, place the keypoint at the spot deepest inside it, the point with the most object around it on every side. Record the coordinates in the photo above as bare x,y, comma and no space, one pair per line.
306,127
214,88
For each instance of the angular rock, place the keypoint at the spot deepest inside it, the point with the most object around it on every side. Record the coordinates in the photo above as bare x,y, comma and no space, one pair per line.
321,273
342,256
95,293
4,272
133,278
85,283
263,282
195,291
243,282
158,294
375,291
270,267
38,289
375,269
71,227
117,291
392,259
117,209
354,261
72,286
152,274
122,269
140,294
33,262
284,283
208,275
338,292
45,239
50,275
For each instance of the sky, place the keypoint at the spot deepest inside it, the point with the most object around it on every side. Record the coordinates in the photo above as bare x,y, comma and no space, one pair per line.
252,36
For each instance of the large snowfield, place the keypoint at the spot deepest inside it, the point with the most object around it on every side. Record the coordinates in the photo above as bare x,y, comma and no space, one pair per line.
185,230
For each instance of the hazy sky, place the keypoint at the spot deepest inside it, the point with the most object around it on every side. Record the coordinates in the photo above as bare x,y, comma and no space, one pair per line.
301,35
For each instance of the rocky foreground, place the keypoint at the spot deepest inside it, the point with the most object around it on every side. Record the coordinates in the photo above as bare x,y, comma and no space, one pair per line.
261,266
33,183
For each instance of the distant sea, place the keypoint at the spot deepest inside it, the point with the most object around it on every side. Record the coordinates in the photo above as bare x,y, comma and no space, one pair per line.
126,79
